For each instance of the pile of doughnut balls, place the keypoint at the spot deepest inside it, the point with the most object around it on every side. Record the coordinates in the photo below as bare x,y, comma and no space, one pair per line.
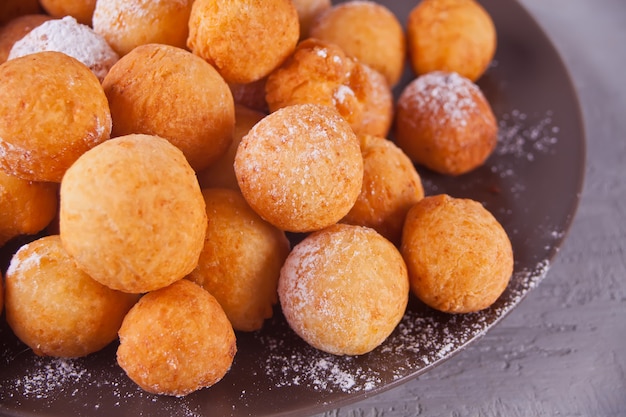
162,153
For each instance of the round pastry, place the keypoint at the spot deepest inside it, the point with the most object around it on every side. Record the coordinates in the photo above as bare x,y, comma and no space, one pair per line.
81,10
444,122
55,308
344,289
132,213
26,207
451,35
221,173
126,24
10,9
199,116
391,185
367,31
72,38
176,340
16,29
244,41
308,10
52,110
459,257
321,73
241,259
300,167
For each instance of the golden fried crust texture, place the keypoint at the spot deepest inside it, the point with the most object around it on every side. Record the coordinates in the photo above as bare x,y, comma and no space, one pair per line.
169,92
459,257
55,308
321,73
126,24
80,10
176,340
26,207
445,123
308,10
243,40
132,213
391,185
300,168
344,289
451,35
221,173
52,110
241,259
367,31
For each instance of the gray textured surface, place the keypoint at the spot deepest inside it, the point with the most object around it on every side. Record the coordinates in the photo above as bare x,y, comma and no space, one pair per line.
562,352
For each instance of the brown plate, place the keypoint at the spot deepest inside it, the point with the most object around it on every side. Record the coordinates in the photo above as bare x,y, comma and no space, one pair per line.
532,184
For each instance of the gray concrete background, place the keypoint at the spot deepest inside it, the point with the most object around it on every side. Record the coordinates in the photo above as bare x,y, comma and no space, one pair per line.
562,351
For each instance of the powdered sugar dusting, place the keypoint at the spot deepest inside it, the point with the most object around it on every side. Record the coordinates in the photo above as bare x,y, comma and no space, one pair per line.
72,38
448,96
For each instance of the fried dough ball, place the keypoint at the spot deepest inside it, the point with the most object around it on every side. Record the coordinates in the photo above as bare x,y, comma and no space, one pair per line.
243,40
459,257
344,289
72,38
367,31
176,340
391,185
26,207
52,110
10,9
169,92
444,122
451,35
300,168
57,309
16,29
308,10
81,10
132,213
126,24
321,73
241,259
221,173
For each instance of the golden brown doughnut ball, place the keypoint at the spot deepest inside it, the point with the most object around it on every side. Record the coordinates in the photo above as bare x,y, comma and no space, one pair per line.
26,207
16,29
391,185
300,168
344,289
57,309
367,31
321,73
444,122
132,213
241,259
72,38
10,9
126,24
451,35
52,110
176,340
81,10
459,257
308,10
243,40
221,173
166,91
